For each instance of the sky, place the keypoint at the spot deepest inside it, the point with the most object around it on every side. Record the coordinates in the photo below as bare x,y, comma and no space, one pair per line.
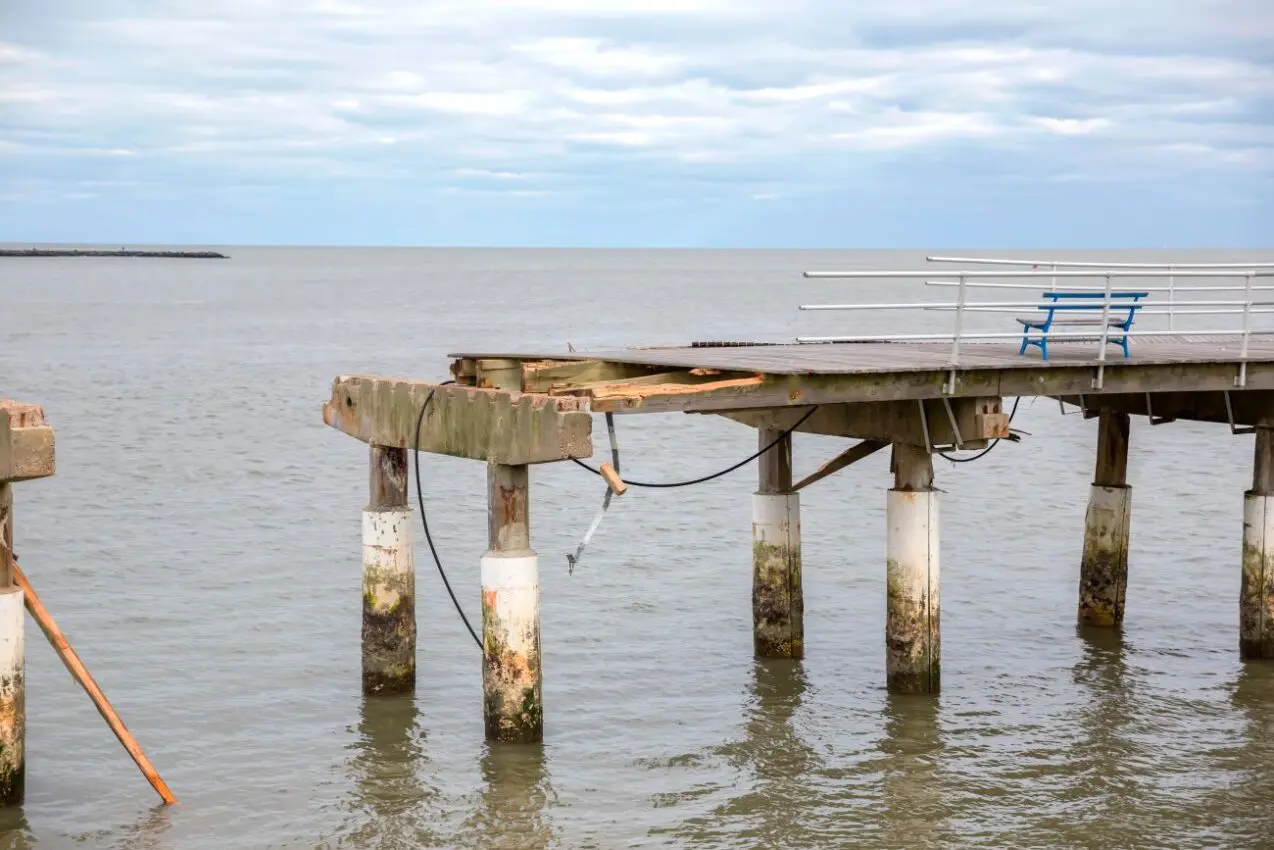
660,123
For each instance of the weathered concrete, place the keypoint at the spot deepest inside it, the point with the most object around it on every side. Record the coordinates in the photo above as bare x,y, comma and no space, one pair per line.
778,604
26,442
912,615
512,681
12,697
505,427
1103,572
1256,589
389,601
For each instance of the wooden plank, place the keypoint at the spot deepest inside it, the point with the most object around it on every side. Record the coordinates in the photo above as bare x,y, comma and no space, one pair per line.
542,376
851,455
26,442
503,427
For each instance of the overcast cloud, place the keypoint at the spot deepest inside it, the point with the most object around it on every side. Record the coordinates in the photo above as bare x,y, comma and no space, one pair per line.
674,122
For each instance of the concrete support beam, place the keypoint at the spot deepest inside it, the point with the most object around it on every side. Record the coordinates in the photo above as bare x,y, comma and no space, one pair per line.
512,681
778,603
26,442
1103,573
912,616
389,578
500,425
1256,590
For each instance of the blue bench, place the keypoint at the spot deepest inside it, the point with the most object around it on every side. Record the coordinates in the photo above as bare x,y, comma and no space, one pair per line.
1071,306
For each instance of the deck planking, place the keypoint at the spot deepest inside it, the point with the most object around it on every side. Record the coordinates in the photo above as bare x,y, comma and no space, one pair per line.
886,357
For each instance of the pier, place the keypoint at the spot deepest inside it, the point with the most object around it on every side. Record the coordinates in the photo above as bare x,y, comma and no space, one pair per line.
916,394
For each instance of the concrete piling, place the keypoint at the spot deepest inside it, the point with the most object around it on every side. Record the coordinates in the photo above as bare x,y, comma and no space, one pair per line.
778,604
1103,574
512,681
389,578
13,715
912,615
1256,590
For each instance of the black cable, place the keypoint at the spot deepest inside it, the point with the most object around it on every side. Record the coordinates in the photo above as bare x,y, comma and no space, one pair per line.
420,499
739,465
987,450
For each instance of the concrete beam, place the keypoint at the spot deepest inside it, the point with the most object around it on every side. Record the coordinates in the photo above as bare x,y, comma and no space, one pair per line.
26,442
508,428
1250,407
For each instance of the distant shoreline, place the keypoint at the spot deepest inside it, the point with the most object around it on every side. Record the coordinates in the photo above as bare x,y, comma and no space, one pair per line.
65,252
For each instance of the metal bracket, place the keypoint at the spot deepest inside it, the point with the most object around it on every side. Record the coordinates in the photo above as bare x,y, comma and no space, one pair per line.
1229,415
924,425
1240,380
949,386
955,426
573,560
1150,413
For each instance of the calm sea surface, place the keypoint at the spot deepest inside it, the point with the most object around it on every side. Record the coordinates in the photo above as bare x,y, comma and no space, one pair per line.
200,547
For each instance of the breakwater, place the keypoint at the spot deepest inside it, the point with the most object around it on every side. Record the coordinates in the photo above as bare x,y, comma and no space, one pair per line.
65,252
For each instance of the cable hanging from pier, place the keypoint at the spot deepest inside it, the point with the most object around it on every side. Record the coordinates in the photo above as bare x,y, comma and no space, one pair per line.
703,479
987,450
420,500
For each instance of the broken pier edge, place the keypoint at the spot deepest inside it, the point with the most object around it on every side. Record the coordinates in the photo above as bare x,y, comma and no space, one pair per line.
513,411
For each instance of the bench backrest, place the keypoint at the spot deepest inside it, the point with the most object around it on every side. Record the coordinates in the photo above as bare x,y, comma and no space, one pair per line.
1119,301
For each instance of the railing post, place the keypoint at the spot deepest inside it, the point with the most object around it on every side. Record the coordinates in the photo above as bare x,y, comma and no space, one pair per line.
955,338
1172,299
1241,382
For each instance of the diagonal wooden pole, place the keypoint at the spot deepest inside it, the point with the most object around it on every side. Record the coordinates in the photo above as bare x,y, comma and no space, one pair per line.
80,673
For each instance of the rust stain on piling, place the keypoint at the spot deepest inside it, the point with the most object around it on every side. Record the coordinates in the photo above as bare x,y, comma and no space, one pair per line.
511,681
12,739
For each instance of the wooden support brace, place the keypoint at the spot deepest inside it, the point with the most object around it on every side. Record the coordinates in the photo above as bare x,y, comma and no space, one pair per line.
851,455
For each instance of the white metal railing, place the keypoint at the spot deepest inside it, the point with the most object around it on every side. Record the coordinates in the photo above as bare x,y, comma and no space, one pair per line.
1246,306
1054,265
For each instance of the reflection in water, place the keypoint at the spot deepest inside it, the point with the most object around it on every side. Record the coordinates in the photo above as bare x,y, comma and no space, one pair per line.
1105,756
777,809
391,801
15,833
914,808
510,812
1248,795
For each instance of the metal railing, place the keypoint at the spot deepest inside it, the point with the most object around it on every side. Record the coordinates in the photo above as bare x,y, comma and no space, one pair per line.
1054,265
961,280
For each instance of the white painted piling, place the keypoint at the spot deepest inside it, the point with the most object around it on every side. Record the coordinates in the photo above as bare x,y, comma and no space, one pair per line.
12,697
778,603
512,681
1103,570
389,601
1256,593
1103,582
912,618
1256,589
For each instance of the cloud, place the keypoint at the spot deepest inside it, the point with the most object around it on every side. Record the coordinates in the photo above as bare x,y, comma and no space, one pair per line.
609,99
